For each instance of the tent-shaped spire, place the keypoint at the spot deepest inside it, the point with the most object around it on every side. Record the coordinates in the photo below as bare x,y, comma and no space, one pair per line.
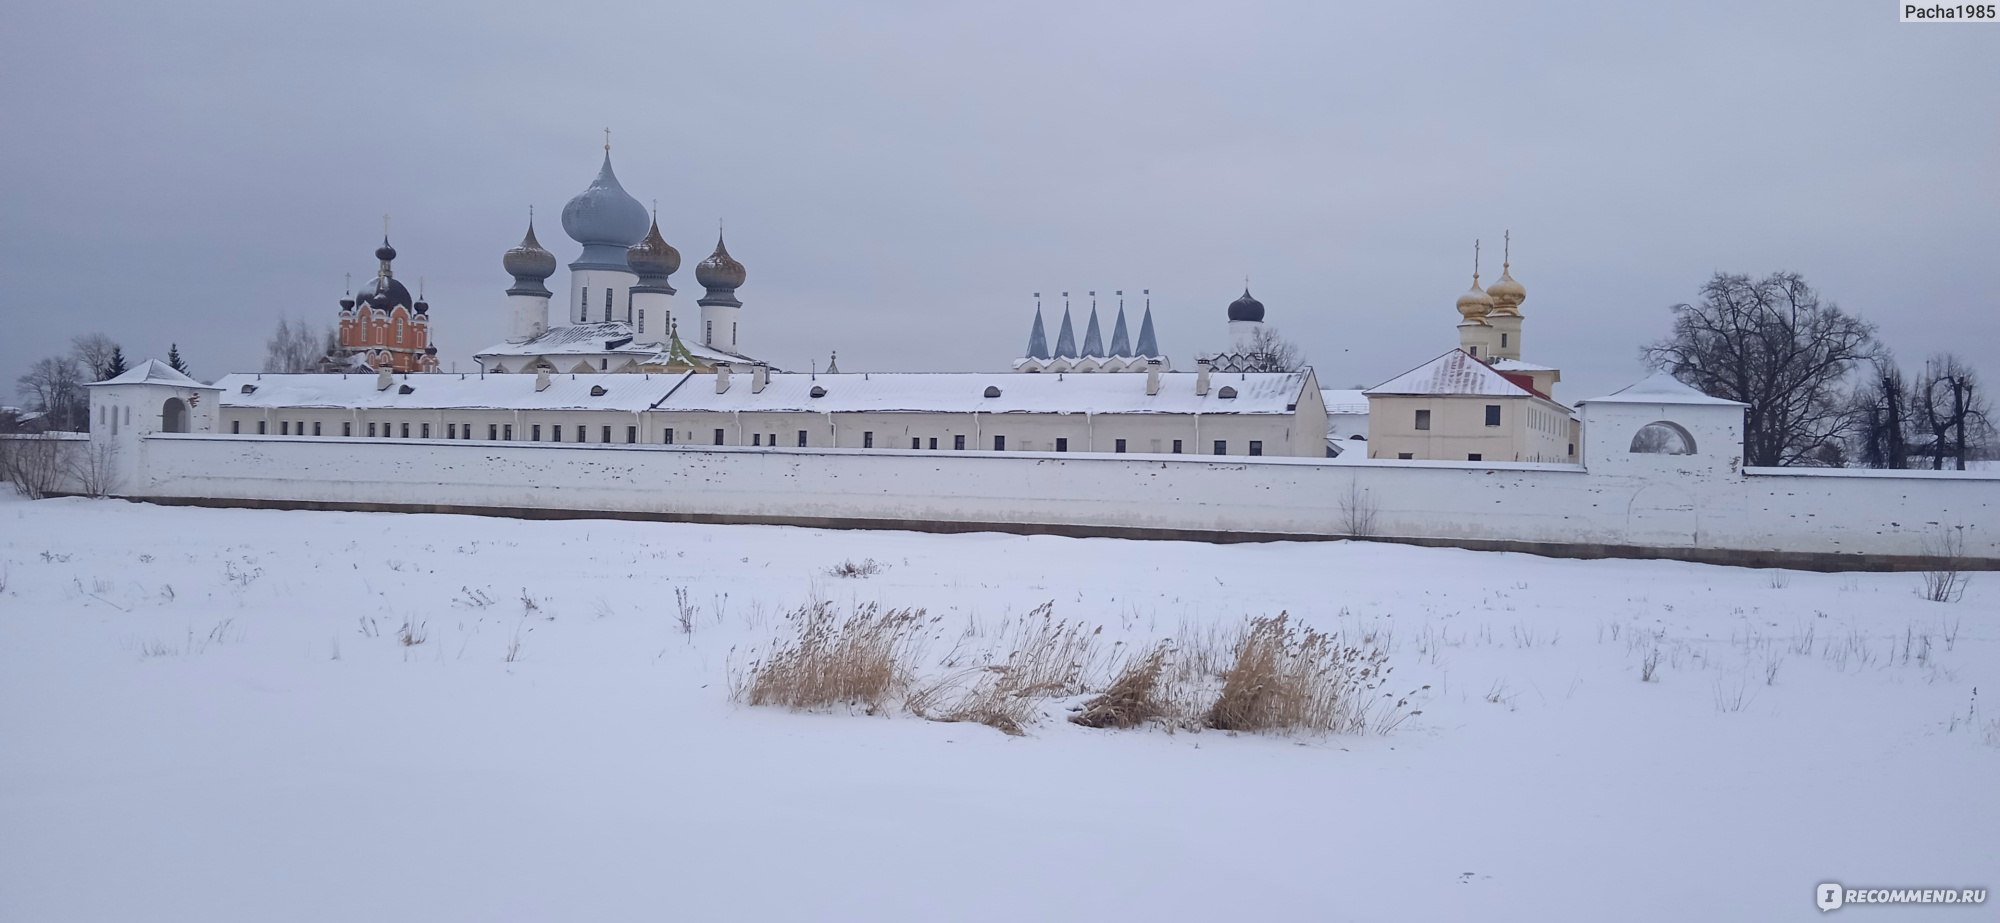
1121,343
1038,339
833,364
1148,346
1066,338
1093,337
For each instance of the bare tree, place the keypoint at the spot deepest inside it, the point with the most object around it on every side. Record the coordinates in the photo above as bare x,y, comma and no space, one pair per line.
1269,351
94,351
1772,344
54,385
93,466
35,464
1948,410
296,347
1882,429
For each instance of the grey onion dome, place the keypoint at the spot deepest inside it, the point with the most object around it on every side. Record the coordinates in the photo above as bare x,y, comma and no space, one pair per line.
652,258
605,219
1246,308
720,272
529,260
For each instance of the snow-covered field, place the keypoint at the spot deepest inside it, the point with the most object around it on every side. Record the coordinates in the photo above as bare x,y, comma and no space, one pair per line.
209,715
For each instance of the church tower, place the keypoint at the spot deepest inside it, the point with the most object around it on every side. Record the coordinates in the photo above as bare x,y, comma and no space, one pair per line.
653,260
1505,318
528,298
1475,335
607,221
721,274
1246,322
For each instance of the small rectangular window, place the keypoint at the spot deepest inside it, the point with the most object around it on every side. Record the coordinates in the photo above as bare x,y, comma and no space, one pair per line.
1062,444
756,439
1503,341
507,432
1572,448
1475,456
426,433
236,427
868,440
802,440
999,443
1492,414
284,428
492,432
668,438
1118,446
535,433
1423,419
771,439
371,430
718,436
1221,447
1177,447
1404,456
631,434
582,433
1256,447
915,443
933,442
451,431
261,427
316,427
606,434
406,431
958,443
347,428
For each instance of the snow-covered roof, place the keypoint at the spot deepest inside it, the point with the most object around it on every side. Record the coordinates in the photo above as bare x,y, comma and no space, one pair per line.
1455,372
1661,388
1254,392
966,392
152,372
1516,365
1344,400
446,391
591,339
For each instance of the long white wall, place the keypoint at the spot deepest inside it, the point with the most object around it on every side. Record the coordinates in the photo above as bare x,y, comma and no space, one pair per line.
1675,506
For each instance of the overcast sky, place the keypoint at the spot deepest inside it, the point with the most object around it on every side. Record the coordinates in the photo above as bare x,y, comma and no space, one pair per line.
899,178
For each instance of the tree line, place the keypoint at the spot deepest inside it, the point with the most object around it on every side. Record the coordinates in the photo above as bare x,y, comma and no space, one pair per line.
1821,389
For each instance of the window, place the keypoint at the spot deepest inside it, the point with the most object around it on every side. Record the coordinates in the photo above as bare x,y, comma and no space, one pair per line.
1118,446
1572,448
371,430
347,428
406,431
732,333
802,440
756,438
507,432
958,443
1256,447
708,331
1404,456
284,428
868,440
668,438
607,311
1503,341
1062,444
535,433
1221,447
236,427
316,427
915,443
1660,438
999,443
606,434
582,434
933,442
1423,419
1177,447
1474,456
631,434
771,439
642,318
492,432
1492,414
451,431
426,433
718,436
1475,352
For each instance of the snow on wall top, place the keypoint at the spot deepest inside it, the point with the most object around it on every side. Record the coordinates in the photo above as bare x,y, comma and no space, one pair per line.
152,372
1344,400
1516,365
1255,392
1661,388
1455,372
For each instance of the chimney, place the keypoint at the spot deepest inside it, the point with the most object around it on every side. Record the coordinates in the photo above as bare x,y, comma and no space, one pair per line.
1201,377
721,377
760,375
384,378
541,379
1152,377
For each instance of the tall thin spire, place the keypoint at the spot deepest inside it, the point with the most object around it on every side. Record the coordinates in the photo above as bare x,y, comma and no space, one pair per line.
1121,342
1038,339
1148,345
1066,336
1093,336
607,142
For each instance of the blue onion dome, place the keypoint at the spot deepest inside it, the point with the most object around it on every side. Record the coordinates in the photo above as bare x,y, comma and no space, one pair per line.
606,220
653,259
1246,308
529,262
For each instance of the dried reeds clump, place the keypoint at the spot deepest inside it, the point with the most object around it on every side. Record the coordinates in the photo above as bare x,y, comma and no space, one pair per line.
865,659
1134,697
1286,678
1046,658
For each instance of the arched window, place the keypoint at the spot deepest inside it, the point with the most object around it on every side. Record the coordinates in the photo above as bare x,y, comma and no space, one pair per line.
174,416
1662,438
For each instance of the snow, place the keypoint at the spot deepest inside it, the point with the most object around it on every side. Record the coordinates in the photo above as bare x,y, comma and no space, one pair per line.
1455,372
1255,392
183,743
1660,388
151,371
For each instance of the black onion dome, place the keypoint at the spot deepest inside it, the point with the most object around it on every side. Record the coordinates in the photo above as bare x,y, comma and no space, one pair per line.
385,253
720,271
423,307
384,293
652,258
529,260
1246,308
